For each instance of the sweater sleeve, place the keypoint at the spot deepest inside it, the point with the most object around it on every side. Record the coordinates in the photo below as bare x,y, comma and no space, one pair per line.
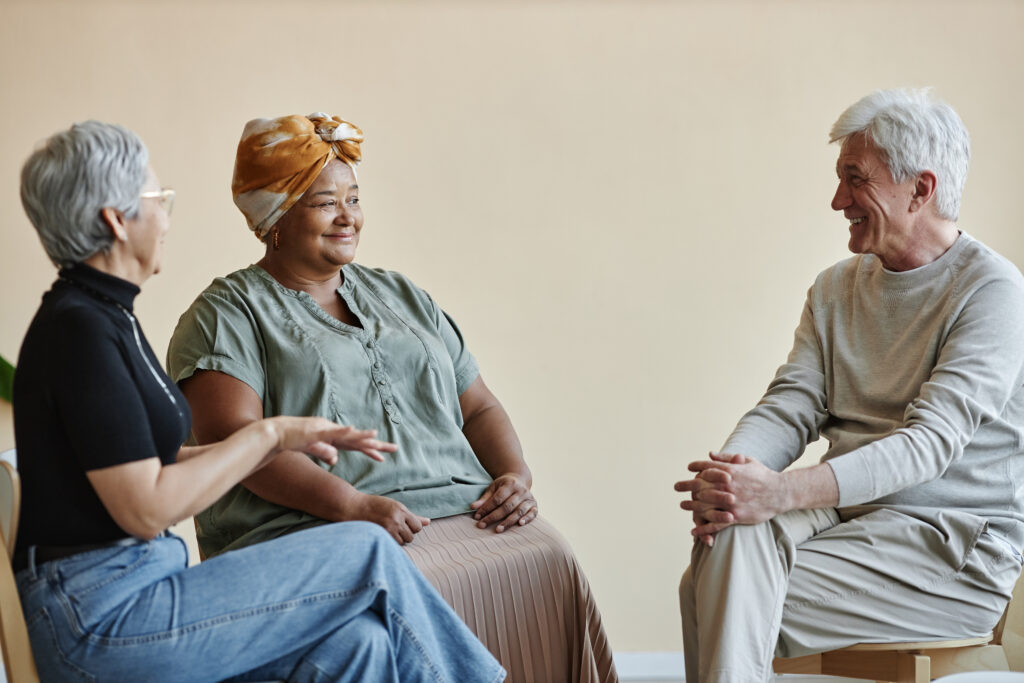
791,412
979,367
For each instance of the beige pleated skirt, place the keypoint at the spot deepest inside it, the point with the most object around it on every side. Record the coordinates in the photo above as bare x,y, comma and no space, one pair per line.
522,592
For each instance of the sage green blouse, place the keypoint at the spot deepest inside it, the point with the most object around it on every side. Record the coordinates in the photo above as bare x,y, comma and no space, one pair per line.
401,373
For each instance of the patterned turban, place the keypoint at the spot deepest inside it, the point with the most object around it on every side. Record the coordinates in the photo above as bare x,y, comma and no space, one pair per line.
278,159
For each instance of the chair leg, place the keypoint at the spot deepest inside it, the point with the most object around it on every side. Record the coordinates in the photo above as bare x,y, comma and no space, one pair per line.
913,668
808,664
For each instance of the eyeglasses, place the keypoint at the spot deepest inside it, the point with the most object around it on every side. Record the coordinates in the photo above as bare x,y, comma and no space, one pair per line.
166,197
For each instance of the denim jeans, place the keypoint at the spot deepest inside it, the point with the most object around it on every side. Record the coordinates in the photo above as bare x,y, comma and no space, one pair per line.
340,602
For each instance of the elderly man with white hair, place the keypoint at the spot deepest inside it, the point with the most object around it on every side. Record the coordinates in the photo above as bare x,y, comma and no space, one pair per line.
909,359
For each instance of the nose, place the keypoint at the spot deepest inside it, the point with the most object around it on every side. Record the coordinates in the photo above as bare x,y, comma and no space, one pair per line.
841,199
344,215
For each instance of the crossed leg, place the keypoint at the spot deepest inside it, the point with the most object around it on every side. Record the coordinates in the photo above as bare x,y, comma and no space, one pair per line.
815,580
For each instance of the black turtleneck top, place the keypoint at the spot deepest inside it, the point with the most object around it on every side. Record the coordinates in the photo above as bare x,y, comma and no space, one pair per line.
88,394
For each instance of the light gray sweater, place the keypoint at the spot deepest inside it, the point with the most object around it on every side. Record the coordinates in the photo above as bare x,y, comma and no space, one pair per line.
915,378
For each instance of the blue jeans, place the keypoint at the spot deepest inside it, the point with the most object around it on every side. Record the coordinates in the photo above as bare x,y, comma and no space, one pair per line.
340,602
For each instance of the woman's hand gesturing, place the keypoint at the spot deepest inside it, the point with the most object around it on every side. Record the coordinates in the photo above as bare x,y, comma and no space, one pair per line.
508,502
323,439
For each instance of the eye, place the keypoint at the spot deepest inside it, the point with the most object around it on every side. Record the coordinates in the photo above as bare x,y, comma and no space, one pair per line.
353,201
329,202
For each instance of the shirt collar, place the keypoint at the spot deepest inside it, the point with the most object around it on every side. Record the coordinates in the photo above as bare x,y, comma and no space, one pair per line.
100,284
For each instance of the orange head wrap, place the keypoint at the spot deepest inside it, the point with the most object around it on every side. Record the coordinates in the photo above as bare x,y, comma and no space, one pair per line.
278,159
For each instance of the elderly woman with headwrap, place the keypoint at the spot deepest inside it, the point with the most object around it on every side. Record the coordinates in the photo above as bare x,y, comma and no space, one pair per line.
107,593
306,331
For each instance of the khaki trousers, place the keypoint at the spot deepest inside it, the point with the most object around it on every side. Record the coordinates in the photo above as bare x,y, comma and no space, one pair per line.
815,580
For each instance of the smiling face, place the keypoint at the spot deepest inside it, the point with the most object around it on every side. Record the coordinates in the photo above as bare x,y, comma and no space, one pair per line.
878,208
320,232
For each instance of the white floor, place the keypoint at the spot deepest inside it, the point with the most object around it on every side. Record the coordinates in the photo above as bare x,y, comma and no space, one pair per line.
667,667
664,667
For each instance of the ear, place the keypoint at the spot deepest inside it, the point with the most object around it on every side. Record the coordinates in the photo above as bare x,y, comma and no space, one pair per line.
115,221
924,190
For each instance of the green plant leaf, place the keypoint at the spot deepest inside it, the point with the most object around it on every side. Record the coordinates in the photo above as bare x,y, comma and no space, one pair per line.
6,380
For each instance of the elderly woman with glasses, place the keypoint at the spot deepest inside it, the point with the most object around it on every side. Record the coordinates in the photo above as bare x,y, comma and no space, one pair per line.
307,331
107,593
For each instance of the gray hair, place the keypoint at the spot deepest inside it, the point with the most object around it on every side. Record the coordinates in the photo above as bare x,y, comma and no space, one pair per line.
916,132
75,174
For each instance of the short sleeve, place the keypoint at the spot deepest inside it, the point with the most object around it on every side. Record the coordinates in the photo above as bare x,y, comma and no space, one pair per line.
218,332
466,369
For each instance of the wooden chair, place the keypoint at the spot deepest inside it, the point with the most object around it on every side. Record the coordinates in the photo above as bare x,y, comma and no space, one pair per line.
921,662
18,660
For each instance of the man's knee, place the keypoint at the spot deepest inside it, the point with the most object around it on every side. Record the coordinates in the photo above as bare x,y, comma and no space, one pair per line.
686,584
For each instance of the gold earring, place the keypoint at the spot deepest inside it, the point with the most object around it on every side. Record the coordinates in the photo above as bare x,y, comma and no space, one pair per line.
277,240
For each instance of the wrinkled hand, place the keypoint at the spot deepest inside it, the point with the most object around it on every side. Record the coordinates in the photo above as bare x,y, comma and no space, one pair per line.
396,519
758,493
709,504
508,502
322,438
740,486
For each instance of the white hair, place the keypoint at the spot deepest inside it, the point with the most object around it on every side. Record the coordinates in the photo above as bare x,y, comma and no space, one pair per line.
72,176
917,132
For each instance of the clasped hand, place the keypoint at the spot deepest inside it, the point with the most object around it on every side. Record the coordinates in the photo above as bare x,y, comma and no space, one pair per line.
507,502
730,489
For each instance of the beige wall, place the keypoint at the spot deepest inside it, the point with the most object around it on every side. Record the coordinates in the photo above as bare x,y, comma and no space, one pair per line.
622,203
